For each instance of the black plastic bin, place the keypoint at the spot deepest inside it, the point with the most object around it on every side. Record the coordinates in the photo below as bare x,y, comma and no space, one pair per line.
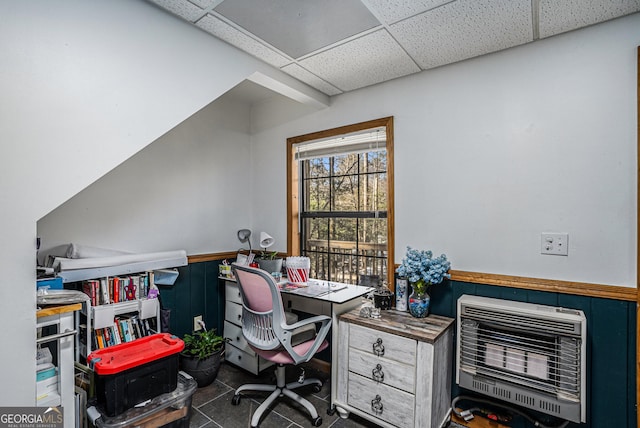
170,410
132,373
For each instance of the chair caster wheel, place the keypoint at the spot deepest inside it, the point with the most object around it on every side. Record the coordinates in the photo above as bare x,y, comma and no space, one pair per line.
331,411
317,388
235,400
317,421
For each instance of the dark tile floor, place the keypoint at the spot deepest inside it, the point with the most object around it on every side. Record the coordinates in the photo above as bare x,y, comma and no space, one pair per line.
212,408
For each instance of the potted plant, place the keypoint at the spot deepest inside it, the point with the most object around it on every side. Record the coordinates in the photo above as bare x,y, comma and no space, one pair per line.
202,355
268,260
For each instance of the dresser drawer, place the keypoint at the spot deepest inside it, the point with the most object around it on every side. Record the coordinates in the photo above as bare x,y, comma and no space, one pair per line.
233,312
382,344
381,401
382,370
232,292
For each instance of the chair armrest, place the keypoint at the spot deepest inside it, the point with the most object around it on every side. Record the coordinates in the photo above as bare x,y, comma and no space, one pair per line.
312,320
321,334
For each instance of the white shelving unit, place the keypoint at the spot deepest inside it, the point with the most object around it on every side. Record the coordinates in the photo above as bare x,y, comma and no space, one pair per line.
102,316
63,319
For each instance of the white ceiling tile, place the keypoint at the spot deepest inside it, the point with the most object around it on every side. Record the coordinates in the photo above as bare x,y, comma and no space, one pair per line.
391,11
182,8
465,29
365,61
205,4
310,79
299,27
234,37
559,16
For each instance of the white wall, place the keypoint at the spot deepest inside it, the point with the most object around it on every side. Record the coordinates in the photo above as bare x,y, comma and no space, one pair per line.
493,151
188,190
489,152
85,84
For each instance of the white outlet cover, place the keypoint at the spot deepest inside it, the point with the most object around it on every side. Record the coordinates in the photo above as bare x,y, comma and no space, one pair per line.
554,243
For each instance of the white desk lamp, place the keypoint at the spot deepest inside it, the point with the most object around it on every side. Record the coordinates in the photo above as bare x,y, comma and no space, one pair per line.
266,240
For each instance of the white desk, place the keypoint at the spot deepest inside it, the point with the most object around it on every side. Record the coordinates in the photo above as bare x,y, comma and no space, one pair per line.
331,303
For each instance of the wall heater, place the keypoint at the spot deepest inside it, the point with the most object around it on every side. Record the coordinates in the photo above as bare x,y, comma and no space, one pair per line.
522,353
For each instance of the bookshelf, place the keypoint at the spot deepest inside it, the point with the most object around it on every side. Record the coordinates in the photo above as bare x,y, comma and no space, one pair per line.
119,311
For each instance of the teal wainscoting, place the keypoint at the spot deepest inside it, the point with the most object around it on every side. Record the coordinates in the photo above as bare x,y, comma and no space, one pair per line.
611,331
611,345
195,292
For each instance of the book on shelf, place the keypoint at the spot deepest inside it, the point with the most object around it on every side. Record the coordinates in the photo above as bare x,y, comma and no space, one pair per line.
104,291
116,289
125,328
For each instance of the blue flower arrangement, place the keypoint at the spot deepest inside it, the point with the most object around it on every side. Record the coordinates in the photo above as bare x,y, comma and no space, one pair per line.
422,269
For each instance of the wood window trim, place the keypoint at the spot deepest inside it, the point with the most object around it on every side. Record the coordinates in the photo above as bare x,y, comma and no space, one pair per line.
293,199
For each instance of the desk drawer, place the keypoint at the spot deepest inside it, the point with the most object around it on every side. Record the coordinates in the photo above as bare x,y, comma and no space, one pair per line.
233,312
250,362
397,407
391,347
232,292
386,371
233,332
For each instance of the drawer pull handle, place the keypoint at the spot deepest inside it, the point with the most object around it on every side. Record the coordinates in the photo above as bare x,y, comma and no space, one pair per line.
377,374
378,348
239,317
376,405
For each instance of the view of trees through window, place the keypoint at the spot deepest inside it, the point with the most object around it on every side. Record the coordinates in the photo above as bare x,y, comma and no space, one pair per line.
344,215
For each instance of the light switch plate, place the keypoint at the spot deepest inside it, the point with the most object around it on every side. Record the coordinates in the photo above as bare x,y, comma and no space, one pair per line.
554,243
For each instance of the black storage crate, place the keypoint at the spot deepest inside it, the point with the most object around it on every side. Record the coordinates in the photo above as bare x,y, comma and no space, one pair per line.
170,410
134,372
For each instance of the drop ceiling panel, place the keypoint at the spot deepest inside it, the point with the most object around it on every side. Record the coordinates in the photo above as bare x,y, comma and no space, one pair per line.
465,29
390,11
229,34
311,79
559,16
206,3
299,27
365,61
182,8
339,45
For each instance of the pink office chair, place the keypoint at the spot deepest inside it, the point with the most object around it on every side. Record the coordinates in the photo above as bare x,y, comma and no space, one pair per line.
265,328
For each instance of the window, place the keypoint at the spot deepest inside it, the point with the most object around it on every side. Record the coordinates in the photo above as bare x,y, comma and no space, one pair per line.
341,201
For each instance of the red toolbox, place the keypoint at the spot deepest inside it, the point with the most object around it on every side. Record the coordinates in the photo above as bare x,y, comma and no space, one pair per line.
133,372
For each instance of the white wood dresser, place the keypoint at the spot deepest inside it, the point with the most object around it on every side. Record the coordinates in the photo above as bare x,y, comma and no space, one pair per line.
395,370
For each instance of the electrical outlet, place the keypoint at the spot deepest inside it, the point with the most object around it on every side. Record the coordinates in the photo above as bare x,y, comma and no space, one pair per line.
554,243
196,323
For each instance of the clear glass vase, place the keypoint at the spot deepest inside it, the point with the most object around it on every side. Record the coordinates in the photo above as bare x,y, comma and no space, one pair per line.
419,303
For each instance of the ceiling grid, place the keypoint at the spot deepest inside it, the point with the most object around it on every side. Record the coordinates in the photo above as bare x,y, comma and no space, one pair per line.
337,46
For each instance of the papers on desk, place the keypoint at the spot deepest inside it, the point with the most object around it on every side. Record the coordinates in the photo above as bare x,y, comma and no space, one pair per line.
313,288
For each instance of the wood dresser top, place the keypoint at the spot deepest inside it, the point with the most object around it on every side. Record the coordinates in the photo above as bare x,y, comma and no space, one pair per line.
403,324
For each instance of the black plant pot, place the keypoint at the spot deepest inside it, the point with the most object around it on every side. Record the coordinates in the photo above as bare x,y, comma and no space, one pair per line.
204,371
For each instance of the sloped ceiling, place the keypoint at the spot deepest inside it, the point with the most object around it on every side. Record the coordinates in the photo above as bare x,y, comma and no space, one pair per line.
336,46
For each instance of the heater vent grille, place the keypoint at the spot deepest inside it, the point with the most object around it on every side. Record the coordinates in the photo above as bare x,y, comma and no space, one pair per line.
480,386
525,399
521,321
503,393
547,407
526,354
